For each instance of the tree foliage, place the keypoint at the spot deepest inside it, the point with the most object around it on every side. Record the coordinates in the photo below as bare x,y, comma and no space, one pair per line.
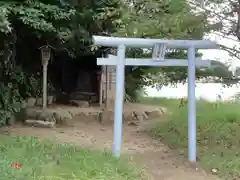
25,25
173,19
224,18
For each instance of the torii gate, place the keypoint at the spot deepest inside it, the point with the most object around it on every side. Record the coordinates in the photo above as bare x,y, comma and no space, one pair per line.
159,47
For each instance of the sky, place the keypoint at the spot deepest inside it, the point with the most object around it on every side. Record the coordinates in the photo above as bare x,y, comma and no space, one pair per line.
209,91
221,55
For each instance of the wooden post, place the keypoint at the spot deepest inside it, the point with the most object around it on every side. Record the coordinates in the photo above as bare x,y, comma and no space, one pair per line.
101,87
106,88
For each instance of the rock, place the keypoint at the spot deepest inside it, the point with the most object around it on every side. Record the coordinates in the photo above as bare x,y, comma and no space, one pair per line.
31,113
39,114
72,111
39,101
90,117
127,116
11,121
134,116
134,123
99,117
145,116
163,110
93,116
47,115
79,103
62,117
39,123
153,114
50,100
94,98
24,104
138,116
21,115
30,102
83,115
106,117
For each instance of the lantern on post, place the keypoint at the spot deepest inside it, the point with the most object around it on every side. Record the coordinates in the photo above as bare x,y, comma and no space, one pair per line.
45,57
45,54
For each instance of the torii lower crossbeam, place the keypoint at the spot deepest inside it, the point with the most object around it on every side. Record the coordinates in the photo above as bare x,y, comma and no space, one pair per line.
121,62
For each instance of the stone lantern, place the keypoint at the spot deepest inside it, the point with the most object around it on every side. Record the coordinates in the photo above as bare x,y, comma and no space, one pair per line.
45,57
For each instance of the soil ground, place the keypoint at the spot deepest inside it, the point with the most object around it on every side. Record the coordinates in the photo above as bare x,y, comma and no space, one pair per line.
156,160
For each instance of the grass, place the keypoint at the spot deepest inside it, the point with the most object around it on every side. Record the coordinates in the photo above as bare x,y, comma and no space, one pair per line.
218,133
41,160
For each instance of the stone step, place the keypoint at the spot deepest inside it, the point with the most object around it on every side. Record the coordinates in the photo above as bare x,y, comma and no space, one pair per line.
40,123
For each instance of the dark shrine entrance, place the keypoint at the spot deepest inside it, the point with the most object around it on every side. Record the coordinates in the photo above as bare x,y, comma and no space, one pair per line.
76,79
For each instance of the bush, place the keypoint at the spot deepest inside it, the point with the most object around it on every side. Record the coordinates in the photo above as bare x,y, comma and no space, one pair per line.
10,102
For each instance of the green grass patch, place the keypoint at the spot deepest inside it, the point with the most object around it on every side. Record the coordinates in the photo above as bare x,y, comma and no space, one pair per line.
218,133
40,160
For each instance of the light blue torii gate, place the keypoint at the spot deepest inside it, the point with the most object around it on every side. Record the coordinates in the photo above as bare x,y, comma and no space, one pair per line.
159,46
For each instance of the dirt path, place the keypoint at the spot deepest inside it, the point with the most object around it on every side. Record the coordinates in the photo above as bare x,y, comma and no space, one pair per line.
155,158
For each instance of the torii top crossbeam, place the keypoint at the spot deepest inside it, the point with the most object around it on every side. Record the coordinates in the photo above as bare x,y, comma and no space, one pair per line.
144,42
